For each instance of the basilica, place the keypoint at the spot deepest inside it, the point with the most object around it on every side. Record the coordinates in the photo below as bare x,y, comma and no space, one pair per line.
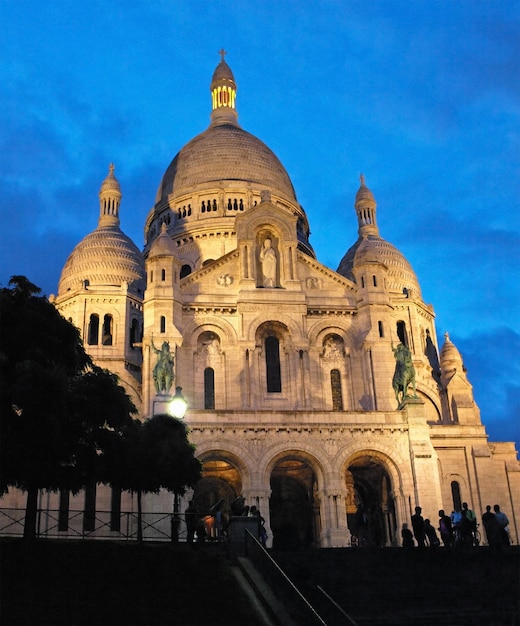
322,397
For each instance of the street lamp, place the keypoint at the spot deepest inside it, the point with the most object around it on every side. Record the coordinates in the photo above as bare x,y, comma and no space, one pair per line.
178,404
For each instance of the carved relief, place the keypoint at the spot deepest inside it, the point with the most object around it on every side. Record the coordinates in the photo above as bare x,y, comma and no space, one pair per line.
225,280
333,348
313,282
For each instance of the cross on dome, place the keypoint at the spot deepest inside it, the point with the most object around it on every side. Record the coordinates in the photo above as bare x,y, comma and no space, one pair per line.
222,53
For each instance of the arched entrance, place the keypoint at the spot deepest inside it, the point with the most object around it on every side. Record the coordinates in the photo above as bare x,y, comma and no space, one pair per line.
293,509
371,511
221,482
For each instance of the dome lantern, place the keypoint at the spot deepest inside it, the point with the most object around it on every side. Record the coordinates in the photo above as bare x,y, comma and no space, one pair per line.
365,206
223,94
109,200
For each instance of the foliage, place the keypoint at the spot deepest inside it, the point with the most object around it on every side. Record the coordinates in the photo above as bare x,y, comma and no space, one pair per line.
58,411
155,455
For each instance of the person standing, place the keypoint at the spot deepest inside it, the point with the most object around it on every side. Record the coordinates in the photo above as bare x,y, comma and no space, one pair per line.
445,529
418,527
490,523
502,525
429,530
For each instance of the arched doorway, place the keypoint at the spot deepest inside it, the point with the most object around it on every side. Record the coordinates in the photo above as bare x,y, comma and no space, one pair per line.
293,509
371,511
221,482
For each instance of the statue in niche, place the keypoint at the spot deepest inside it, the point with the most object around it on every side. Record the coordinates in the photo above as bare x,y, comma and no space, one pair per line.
210,345
163,370
333,348
404,374
268,262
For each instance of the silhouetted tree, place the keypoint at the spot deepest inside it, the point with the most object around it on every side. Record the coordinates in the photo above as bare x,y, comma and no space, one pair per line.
57,411
155,455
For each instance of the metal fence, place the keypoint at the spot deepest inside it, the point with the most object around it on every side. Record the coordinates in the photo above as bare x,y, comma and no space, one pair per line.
155,526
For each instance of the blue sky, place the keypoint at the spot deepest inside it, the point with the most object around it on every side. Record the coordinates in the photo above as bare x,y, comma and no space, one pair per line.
422,96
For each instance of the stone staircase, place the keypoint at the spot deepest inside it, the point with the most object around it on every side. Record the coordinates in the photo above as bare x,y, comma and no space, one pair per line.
395,586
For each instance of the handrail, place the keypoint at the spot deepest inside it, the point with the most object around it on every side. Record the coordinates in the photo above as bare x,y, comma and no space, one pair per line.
336,605
268,559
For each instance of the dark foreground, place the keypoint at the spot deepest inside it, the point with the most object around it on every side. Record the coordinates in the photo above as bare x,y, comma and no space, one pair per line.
71,583
103,582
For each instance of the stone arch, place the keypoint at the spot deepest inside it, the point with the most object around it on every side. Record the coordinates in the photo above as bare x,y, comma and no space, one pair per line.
320,330
293,330
431,407
211,323
222,482
248,227
294,505
373,484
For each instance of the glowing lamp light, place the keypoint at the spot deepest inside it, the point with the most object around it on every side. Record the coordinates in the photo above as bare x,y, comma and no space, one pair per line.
178,404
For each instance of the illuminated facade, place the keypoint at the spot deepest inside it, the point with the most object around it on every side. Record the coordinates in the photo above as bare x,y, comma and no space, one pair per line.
287,365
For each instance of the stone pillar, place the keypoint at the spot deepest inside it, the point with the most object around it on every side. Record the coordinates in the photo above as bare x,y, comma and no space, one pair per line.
334,532
424,460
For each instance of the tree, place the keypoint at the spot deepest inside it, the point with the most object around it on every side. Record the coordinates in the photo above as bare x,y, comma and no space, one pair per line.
155,455
58,411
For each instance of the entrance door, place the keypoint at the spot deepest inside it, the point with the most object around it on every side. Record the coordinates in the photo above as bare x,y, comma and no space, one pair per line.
294,523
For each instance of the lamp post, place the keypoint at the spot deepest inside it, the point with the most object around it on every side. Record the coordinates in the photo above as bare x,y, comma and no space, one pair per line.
178,407
178,404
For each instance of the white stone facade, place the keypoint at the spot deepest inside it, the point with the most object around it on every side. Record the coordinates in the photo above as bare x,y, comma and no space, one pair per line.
286,364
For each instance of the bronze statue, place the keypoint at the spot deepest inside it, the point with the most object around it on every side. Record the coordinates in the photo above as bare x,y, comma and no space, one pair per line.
404,374
163,370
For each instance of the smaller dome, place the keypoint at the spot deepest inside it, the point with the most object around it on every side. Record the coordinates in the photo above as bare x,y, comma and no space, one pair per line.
162,245
105,257
450,357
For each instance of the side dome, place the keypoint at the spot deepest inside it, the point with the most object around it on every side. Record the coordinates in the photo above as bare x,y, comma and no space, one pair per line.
106,257
401,277
225,152
372,248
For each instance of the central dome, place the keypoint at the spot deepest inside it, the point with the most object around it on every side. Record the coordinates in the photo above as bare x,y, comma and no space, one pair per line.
225,153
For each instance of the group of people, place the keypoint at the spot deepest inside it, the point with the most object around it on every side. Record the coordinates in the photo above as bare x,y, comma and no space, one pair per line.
213,525
457,529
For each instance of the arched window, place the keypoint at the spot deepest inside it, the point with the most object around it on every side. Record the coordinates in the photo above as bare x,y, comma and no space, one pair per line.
381,329
374,280
455,494
107,330
93,330
335,383
163,324
151,276
163,275
185,271
401,333
209,388
272,362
